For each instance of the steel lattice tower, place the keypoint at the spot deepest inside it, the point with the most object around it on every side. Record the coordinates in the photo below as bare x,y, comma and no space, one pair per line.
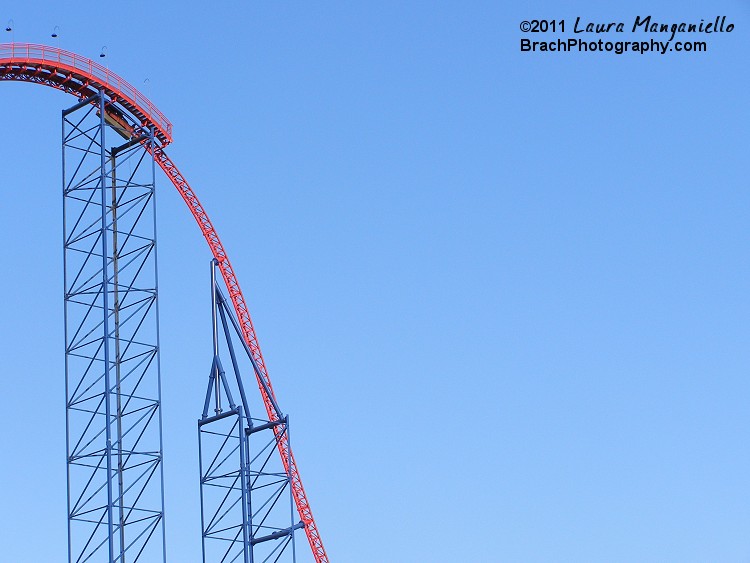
113,395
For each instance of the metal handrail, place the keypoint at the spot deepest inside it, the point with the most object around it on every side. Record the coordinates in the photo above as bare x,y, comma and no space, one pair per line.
24,53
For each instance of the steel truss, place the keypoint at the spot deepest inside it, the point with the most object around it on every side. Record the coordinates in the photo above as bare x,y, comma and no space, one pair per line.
247,501
112,377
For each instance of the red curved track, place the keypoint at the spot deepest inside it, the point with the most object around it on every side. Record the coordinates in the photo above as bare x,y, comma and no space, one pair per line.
82,77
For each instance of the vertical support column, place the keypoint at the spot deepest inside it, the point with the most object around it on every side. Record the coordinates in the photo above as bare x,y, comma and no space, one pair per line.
112,379
105,323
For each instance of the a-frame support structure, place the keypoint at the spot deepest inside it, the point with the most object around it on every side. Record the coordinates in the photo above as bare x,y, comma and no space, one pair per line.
247,506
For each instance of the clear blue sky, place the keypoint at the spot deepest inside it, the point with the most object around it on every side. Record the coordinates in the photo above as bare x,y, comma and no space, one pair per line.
503,296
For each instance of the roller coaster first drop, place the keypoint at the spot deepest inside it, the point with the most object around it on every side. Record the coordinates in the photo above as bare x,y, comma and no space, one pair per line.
252,498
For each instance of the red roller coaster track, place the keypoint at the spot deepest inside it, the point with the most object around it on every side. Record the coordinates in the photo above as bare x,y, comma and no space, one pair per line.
82,77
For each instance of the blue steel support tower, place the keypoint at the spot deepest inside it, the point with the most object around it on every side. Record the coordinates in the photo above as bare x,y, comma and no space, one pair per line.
247,506
112,377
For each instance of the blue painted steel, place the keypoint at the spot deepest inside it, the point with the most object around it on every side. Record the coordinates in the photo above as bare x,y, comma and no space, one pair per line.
241,478
105,321
152,144
112,371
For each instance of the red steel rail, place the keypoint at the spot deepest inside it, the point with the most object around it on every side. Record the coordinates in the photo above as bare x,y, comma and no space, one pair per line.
82,77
